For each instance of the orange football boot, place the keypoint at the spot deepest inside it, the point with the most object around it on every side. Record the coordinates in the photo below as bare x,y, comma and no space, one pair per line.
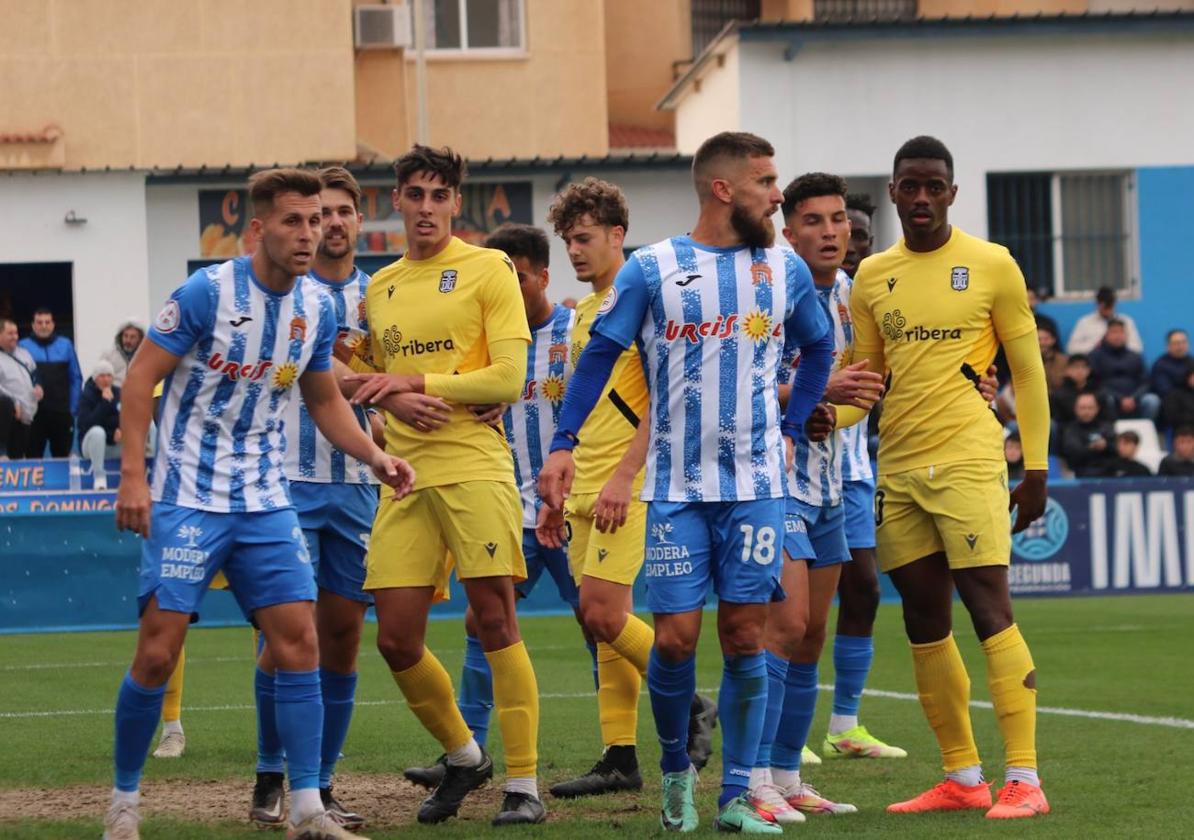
947,796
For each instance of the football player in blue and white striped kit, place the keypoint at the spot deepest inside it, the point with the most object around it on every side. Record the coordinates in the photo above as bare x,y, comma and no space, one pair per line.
231,344
717,314
335,497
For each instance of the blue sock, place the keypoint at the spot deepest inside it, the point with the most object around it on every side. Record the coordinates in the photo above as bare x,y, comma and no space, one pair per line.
299,707
339,694
852,657
137,712
592,646
476,690
269,745
796,719
672,686
742,706
777,672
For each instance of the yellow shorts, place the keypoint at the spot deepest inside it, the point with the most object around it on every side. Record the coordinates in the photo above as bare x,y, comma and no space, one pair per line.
958,508
474,527
615,557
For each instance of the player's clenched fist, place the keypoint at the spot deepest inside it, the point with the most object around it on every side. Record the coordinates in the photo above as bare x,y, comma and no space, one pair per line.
555,479
394,472
132,505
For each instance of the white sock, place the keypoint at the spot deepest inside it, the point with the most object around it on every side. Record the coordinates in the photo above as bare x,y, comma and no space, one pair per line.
304,803
842,723
467,756
523,784
786,780
133,797
759,776
169,726
968,776
1023,774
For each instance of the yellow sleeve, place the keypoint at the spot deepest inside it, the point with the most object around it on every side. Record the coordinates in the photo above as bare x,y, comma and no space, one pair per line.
503,313
1010,312
1032,398
849,415
499,381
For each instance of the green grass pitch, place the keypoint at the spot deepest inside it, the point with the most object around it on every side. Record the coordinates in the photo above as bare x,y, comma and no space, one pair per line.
1106,776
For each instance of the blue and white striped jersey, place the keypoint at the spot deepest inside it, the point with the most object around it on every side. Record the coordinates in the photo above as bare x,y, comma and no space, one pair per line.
531,421
816,475
309,455
852,440
714,326
242,349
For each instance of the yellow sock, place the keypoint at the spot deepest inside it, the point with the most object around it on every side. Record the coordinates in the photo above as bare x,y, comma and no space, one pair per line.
172,701
1012,679
944,689
428,691
634,642
516,698
619,683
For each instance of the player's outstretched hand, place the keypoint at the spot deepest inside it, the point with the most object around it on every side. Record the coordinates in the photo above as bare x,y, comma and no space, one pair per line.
421,412
133,505
613,502
854,385
821,422
491,414
1029,499
988,385
374,387
550,529
395,472
555,479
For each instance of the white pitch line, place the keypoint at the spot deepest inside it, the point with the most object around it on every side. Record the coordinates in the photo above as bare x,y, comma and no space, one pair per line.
1119,717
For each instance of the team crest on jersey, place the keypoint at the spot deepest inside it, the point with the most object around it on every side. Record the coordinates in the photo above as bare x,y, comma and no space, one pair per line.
608,303
959,278
298,328
168,319
760,273
284,376
447,280
557,353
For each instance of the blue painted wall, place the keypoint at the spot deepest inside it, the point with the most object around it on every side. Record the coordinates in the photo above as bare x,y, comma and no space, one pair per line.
1164,197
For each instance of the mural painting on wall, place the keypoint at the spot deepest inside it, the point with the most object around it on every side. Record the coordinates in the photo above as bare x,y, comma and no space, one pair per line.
224,229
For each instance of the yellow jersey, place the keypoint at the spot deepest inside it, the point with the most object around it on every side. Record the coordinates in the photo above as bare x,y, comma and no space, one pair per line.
938,319
437,316
607,433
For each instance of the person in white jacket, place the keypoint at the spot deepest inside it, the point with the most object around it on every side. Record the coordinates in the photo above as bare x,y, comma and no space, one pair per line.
128,338
1089,330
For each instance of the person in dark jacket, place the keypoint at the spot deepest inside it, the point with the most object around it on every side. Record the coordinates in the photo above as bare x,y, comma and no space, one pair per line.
1124,464
1078,380
1121,371
1169,370
1178,407
61,382
1180,462
1087,441
99,420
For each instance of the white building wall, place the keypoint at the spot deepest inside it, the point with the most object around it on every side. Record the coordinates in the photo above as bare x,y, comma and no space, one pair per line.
172,212
108,253
718,105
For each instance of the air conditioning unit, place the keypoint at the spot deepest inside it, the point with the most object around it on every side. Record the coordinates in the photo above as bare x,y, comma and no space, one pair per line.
382,27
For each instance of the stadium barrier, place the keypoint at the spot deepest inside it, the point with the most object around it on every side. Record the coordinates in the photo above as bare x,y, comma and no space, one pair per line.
66,567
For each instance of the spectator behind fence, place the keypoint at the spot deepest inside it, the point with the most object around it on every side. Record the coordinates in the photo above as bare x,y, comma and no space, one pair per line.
61,382
19,392
1180,462
1013,453
1077,380
1169,370
1090,329
1087,441
1177,409
1120,371
128,339
99,421
1055,361
1124,464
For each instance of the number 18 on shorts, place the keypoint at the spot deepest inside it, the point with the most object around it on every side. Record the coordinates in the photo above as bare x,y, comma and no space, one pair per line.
735,547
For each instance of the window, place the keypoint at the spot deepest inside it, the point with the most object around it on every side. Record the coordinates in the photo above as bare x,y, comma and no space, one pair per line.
863,10
460,25
710,16
1071,232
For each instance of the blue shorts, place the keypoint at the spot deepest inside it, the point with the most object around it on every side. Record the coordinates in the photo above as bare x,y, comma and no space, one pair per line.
859,500
336,519
816,534
262,554
555,561
733,546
